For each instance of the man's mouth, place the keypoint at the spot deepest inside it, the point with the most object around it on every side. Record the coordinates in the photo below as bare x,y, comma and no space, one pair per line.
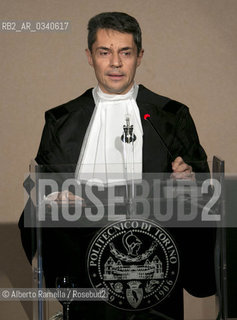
115,76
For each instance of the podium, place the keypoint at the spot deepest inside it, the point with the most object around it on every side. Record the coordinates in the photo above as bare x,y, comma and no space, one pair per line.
59,202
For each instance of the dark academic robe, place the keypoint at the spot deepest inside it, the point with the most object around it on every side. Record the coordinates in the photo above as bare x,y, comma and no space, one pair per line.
65,250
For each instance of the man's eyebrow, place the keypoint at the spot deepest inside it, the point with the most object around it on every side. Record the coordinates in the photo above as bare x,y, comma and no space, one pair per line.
125,48
108,49
103,48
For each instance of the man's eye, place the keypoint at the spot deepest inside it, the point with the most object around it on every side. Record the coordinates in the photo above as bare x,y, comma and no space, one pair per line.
126,53
104,53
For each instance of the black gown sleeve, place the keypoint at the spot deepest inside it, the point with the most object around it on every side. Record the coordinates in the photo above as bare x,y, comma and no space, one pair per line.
28,232
197,244
186,142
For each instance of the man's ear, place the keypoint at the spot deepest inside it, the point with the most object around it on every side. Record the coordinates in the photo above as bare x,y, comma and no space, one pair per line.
89,57
139,57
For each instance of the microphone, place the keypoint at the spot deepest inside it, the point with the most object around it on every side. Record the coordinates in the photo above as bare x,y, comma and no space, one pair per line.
146,117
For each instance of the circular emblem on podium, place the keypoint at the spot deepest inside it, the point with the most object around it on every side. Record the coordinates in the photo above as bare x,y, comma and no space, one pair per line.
136,261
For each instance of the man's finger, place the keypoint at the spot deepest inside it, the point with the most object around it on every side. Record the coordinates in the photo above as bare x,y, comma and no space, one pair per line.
177,163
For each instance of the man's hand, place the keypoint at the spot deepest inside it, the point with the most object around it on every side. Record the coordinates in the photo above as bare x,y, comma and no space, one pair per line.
63,196
181,170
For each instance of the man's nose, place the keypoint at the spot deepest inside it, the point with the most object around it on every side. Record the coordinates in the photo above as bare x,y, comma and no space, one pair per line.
116,61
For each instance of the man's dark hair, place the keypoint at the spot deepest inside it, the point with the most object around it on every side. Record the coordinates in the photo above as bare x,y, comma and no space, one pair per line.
117,21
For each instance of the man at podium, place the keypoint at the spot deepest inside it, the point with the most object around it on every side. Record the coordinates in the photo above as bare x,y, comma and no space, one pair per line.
119,121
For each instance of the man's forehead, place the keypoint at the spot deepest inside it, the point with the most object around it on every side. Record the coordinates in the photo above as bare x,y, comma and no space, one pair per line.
113,38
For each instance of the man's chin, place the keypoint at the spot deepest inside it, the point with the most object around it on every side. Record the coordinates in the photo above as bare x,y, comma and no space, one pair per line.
117,90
